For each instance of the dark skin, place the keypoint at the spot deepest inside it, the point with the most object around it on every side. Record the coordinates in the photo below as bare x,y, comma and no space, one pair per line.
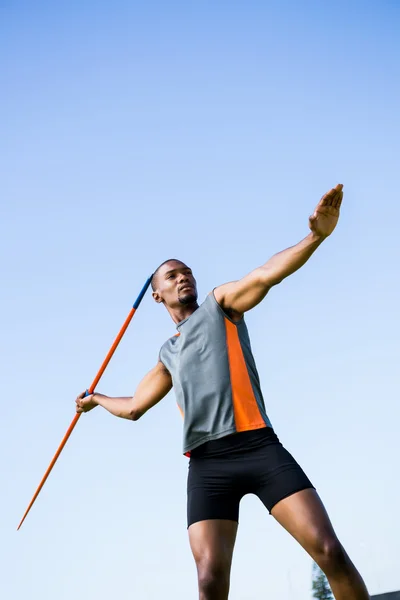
302,514
176,288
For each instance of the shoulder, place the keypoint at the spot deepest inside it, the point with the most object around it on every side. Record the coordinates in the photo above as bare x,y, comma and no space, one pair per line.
218,295
167,351
170,341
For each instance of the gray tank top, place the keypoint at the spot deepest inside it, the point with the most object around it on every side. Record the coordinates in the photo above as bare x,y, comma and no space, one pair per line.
214,376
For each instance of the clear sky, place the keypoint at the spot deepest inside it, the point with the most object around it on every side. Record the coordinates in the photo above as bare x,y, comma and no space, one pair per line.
136,131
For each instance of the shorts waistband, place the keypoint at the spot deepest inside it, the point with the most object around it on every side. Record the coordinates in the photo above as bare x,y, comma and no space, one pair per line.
236,442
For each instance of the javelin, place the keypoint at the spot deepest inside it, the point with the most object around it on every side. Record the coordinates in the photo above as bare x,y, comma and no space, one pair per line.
88,392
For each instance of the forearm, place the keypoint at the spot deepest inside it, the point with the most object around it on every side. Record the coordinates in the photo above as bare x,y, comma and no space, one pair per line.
237,297
120,407
288,261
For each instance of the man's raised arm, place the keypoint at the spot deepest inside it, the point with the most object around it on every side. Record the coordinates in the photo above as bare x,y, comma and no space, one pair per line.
240,296
153,387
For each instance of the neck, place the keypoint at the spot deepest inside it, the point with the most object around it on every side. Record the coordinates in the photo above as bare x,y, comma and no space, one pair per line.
180,313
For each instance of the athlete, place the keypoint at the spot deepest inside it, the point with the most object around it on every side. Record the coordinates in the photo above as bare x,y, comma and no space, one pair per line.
227,435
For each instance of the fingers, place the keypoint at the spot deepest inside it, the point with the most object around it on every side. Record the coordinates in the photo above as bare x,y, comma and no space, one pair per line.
338,200
333,197
80,397
82,401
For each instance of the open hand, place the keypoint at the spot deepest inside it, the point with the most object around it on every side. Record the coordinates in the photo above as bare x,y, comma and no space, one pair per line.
85,403
326,215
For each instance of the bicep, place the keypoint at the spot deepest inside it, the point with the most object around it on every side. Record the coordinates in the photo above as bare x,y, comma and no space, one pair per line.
152,388
238,297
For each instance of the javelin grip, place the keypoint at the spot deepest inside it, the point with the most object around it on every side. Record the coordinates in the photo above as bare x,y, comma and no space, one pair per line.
142,293
87,393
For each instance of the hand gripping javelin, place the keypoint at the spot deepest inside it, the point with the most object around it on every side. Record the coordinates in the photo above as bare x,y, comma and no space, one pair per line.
88,392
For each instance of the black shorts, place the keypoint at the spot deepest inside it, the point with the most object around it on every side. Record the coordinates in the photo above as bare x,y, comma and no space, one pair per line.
222,471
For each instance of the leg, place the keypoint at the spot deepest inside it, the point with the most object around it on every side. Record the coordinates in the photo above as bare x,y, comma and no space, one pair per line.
303,515
212,516
212,542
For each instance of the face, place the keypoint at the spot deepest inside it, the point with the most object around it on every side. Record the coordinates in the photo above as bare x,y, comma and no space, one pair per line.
175,285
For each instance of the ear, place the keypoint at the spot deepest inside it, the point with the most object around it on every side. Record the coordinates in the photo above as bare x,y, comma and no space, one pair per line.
157,297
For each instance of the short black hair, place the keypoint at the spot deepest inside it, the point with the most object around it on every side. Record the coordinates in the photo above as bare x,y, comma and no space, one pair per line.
153,285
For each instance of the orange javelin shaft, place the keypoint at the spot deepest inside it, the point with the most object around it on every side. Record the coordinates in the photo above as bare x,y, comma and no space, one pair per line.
89,391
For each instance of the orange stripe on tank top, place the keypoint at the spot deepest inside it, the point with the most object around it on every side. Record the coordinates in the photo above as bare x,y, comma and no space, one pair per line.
246,411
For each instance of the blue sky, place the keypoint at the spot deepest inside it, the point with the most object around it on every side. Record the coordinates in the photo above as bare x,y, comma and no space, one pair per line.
208,131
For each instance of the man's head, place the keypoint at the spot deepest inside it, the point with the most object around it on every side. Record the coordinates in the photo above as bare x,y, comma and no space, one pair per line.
173,284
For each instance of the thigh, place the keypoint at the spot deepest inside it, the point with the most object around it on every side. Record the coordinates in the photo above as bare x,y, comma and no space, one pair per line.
304,516
212,491
277,475
212,543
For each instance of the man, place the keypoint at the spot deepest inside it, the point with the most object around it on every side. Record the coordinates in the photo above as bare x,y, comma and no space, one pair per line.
227,434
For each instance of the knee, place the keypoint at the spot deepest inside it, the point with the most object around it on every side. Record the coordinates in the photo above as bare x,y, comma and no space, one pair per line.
330,554
213,579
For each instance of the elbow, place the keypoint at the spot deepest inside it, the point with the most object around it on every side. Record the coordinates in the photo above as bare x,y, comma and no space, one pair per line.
135,414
